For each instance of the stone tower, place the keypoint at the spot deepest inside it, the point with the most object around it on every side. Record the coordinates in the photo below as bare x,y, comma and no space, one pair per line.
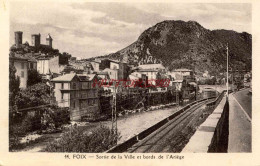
36,40
49,40
18,38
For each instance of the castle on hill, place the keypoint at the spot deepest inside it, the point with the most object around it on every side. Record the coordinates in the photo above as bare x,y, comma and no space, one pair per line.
36,40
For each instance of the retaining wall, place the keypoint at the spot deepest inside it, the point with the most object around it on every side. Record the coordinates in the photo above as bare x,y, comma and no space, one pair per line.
127,144
212,135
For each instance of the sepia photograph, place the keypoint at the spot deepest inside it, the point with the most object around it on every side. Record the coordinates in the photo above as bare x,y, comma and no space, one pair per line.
122,77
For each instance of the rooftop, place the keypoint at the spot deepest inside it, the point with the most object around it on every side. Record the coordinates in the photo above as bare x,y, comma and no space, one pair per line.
132,77
183,70
151,66
86,77
49,37
66,77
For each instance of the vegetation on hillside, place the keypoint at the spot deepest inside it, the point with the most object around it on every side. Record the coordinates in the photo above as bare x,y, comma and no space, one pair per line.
182,44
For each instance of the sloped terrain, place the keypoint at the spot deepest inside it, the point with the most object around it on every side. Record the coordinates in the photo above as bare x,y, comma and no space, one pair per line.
180,44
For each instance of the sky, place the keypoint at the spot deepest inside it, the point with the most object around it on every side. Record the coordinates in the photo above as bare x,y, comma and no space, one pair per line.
89,29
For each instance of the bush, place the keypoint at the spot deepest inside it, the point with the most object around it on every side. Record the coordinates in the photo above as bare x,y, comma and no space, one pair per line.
31,123
77,140
60,116
14,132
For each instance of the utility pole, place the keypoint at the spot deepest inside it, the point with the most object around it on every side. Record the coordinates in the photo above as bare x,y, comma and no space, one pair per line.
227,71
114,118
177,97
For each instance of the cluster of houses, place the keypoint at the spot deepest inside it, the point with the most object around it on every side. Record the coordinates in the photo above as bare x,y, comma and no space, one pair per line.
72,80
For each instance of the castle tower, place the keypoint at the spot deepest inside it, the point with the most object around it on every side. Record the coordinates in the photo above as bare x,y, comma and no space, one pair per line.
49,40
18,38
36,40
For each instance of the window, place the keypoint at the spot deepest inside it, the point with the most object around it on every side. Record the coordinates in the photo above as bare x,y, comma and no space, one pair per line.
73,105
80,104
22,65
74,85
72,94
22,74
62,85
62,96
90,102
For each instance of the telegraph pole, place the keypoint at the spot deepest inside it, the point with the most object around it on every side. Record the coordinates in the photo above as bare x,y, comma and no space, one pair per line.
114,118
227,71
177,97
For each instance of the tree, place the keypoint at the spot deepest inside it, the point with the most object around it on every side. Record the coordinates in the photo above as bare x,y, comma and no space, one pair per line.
33,77
14,83
35,95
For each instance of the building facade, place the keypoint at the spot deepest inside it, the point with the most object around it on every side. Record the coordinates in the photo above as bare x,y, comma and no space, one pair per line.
113,74
45,65
76,92
22,64
95,64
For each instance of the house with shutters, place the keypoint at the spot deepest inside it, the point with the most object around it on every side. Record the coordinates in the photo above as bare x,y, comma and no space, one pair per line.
76,92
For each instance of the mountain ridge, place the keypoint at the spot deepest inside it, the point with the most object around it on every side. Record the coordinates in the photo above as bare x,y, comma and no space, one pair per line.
180,44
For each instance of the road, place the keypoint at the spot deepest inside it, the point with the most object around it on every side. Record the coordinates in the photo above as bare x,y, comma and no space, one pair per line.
240,127
244,98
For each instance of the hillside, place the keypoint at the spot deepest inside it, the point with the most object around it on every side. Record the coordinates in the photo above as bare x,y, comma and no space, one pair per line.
180,44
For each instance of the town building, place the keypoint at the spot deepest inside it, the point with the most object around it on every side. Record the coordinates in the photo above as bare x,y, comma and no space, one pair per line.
184,81
108,63
113,73
95,64
22,64
49,64
76,92
150,70
79,66
179,74
123,71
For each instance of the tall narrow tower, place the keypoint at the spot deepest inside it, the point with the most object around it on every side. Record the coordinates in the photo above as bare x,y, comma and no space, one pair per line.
49,40
36,40
18,38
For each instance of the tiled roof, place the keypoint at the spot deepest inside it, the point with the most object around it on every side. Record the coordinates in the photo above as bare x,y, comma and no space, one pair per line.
18,57
30,57
86,77
66,77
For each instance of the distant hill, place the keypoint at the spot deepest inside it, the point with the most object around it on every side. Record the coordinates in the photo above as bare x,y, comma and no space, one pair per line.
180,44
